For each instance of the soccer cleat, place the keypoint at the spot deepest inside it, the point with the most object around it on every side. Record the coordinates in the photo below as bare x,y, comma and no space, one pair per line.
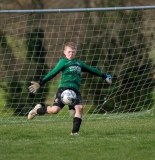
74,134
33,112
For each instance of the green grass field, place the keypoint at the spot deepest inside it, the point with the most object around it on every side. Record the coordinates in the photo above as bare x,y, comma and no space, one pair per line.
104,139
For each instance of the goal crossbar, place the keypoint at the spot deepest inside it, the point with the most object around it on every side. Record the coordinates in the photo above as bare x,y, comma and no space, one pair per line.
78,9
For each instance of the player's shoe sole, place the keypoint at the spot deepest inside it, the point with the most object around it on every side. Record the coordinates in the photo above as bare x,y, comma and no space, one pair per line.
33,112
74,134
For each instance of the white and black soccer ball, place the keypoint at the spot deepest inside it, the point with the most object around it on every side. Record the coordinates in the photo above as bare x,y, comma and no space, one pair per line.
68,97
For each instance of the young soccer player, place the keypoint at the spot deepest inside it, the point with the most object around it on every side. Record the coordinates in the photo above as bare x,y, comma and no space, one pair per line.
71,69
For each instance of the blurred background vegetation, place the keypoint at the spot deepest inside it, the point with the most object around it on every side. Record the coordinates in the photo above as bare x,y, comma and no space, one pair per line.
120,43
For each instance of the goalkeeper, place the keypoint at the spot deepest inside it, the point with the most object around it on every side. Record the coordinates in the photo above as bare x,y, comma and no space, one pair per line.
71,69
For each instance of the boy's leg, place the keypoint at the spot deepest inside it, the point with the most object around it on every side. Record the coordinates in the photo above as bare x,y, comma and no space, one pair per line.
41,109
53,109
77,119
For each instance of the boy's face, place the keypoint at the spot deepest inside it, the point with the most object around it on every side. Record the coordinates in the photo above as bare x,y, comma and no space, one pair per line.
69,53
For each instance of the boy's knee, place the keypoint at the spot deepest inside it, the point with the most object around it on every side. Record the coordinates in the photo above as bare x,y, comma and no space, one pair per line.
79,108
53,109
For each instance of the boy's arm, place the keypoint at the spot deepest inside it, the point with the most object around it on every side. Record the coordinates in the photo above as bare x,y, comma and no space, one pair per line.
53,73
36,85
96,72
91,70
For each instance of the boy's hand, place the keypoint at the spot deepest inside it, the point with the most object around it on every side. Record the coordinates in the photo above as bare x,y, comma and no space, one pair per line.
34,87
107,78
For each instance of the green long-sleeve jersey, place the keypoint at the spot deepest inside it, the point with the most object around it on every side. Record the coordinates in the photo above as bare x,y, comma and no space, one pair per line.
71,73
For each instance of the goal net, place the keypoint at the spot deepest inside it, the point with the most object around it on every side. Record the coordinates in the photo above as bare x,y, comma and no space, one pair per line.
119,42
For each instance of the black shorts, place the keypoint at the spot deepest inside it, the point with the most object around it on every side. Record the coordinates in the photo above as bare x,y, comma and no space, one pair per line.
57,98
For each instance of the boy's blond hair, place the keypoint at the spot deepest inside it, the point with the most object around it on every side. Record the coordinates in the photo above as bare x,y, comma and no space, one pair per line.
71,45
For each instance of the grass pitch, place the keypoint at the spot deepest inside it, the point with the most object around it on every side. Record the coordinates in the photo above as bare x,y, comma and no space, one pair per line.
104,139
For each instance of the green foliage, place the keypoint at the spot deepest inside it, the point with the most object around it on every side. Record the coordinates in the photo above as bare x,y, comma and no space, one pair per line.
12,87
16,90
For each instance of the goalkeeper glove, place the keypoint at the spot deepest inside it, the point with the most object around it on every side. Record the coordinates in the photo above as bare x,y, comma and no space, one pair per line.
107,78
34,87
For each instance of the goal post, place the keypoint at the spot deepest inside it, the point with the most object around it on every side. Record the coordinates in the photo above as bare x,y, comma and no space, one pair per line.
118,41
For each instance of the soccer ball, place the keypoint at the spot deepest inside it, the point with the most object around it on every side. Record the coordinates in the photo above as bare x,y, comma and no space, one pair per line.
68,97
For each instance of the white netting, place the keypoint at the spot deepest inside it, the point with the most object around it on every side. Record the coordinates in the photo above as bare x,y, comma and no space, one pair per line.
120,43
